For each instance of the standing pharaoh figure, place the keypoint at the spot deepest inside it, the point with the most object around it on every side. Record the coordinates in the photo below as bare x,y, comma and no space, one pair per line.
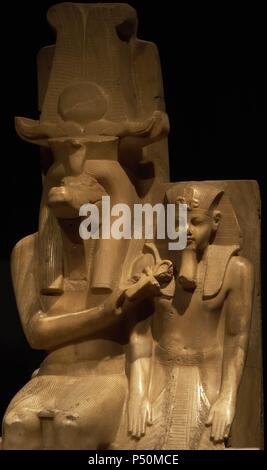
186,361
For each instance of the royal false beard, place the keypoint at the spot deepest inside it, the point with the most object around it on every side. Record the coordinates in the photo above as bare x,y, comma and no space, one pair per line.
188,270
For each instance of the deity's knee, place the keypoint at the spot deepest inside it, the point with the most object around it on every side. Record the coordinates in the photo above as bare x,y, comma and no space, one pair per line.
21,430
73,432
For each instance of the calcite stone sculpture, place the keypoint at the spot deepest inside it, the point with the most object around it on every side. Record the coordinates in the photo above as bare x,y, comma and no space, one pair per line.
146,347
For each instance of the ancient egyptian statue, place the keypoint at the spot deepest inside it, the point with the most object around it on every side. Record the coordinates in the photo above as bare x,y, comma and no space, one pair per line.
185,372
145,347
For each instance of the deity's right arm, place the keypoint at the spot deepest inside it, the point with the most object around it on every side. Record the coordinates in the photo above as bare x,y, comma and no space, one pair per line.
43,330
47,332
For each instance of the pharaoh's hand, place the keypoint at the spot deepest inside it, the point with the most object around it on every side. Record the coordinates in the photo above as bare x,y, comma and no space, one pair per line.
139,415
220,418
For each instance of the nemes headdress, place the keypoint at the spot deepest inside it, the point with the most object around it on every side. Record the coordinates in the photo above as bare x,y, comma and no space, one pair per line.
207,196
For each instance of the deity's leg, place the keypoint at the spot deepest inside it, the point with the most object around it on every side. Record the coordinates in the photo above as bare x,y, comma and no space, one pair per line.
22,430
90,412
22,427
21,424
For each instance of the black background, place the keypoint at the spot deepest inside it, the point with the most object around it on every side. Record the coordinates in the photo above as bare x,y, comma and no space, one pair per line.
213,64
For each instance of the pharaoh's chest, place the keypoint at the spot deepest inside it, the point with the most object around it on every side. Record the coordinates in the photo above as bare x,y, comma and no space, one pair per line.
186,321
189,305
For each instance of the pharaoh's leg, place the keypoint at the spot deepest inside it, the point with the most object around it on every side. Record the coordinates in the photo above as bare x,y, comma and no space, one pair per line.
90,412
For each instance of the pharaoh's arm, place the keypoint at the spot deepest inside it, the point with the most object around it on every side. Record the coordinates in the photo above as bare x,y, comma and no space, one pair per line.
42,329
237,327
140,358
153,282
238,306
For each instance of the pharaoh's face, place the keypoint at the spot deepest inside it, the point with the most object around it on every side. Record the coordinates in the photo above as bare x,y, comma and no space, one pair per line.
200,228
